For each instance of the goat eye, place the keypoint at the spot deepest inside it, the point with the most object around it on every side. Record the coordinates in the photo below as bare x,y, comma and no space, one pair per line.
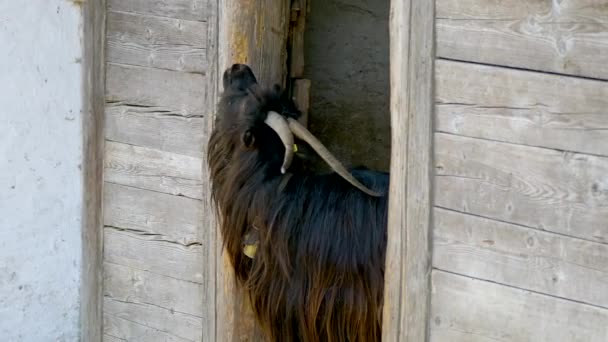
248,138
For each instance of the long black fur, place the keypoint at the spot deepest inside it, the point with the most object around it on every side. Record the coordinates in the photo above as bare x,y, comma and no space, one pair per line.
318,274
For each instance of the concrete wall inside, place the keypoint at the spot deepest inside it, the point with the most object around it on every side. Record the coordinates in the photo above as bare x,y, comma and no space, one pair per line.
347,61
41,185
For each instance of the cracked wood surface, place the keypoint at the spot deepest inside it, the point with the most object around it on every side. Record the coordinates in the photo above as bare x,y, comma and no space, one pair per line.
156,128
567,37
171,91
152,169
155,261
157,42
121,316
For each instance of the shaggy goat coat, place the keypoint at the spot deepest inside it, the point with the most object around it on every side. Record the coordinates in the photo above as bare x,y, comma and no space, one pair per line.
318,274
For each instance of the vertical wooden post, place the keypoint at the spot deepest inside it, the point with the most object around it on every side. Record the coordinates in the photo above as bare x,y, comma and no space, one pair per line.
94,14
252,32
407,285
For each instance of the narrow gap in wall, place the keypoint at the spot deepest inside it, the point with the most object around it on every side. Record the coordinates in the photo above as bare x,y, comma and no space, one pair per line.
346,59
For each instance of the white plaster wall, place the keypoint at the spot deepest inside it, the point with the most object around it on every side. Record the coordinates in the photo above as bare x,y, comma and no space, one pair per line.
40,173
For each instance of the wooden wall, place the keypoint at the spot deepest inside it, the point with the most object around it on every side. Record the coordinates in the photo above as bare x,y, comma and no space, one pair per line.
520,218
503,182
156,258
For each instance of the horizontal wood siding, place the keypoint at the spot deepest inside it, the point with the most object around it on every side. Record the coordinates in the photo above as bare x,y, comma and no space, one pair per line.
567,37
520,224
471,310
528,108
520,257
195,10
152,169
544,189
150,41
155,267
170,91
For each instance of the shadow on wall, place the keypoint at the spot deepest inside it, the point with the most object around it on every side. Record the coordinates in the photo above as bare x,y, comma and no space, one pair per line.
347,60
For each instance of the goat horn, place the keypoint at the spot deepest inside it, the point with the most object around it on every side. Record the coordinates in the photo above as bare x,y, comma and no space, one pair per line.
302,133
280,126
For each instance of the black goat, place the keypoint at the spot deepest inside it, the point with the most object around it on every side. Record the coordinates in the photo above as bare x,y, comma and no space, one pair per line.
318,270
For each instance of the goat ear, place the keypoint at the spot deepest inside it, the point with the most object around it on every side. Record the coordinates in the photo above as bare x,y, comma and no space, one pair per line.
248,138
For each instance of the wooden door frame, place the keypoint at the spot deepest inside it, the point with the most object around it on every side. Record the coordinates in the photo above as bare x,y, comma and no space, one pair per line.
255,32
252,32
408,260
93,83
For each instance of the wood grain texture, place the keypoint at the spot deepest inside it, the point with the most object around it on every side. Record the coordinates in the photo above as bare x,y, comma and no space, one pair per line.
169,90
179,325
93,83
126,284
141,251
520,257
209,236
151,169
566,37
562,192
522,107
155,249
299,11
150,41
469,310
408,264
157,216
301,97
255,33
156,128
180,9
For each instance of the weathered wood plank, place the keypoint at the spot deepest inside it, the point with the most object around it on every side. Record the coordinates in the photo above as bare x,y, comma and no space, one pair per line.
259,40
93,83
148,87
464,309
520,257
209,235
557,36
299,11
180,9
522,107
408,264
156,128
125,330
301,97
158,216
540,188
175,323
152,169
148,253
141,287
156,42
